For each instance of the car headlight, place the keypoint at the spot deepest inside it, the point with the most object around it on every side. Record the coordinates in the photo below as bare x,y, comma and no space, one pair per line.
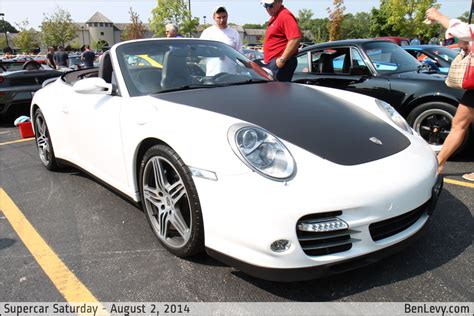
393,115
262,152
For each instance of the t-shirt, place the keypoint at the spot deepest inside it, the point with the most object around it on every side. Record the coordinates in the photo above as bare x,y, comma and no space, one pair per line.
60,58
228,36
281,28
88,57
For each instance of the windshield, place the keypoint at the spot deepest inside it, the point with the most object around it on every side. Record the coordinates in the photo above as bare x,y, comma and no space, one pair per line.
157,66
390,58
445,53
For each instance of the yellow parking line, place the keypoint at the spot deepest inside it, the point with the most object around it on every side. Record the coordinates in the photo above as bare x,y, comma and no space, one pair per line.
17,141
70,287
456,182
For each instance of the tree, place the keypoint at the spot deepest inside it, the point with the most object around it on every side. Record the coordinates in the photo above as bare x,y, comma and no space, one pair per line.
5,26
172,11
355,26
58,29
99,45
402,18
27,38
336,16
464,17
304,21
136,29
319,29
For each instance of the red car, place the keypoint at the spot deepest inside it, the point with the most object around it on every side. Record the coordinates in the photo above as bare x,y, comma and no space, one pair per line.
400,41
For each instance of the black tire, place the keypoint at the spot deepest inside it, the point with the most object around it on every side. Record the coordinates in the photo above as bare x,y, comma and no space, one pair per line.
171,204
44,143
433,121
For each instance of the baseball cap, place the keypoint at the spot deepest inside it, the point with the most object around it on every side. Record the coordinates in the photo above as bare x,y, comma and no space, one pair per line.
220,8
267,1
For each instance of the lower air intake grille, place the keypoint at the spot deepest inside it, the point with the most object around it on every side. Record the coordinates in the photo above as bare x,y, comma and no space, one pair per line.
324,243
393,226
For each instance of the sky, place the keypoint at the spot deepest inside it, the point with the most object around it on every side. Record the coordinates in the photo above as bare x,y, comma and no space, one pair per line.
240,11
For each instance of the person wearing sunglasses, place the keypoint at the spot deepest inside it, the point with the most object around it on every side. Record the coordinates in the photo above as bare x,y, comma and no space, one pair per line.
282,40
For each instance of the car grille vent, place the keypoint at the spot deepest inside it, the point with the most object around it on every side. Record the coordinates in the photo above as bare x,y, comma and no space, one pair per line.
395,225
324,243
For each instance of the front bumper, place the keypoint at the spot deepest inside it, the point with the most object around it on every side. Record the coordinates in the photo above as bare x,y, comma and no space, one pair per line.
307,273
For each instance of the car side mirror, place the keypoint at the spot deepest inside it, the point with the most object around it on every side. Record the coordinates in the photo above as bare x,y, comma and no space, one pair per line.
93,86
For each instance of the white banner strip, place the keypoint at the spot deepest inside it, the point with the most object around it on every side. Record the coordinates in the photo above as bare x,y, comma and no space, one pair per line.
227,309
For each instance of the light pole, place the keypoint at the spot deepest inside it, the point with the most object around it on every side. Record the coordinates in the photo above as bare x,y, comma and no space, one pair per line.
4,28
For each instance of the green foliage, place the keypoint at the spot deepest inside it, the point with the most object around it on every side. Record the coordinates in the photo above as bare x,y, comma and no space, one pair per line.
172,11
136,29
402,18
5,26
464,17
58,29
98,45
355,26
27,39
304,21
319,29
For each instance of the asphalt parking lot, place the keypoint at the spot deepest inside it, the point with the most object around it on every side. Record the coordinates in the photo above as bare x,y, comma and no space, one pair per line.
106,245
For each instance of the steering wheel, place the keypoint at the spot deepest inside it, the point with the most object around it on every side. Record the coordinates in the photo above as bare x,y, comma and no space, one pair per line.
31,65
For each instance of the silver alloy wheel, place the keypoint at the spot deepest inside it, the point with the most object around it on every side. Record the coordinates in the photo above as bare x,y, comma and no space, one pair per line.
434,126
166,202
42,140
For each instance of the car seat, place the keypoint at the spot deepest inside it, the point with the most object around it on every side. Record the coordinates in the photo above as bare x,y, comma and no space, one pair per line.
175,71
325,64
105,67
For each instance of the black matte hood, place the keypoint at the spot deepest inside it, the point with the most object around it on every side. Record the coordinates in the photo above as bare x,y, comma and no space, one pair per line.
313,120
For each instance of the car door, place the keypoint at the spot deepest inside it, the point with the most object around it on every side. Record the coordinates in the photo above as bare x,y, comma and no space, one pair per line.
340,68
97,136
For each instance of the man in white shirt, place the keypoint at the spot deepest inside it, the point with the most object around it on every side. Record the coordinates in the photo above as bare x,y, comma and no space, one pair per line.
221,32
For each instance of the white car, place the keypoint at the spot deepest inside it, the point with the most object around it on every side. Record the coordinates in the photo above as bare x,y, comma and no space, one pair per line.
280,180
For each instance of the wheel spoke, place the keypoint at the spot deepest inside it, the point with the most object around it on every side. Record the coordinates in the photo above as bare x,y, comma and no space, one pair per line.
163,222
159,174
176,191
426,128
178,222
152,196
40,124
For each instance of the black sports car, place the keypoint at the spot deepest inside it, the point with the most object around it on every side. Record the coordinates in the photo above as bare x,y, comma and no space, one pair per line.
383,70
17,88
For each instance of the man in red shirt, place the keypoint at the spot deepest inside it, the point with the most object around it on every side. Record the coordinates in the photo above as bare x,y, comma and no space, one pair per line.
281,41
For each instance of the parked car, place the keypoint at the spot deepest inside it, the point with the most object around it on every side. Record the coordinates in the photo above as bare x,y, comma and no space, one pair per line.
253,54
385,71
75,62
400,41
17,88
236,164
437,57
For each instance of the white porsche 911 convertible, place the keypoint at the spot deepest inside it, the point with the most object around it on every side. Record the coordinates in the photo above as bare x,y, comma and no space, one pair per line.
280,180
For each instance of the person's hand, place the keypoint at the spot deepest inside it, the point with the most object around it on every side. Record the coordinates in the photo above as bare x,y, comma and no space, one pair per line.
433,14
279,63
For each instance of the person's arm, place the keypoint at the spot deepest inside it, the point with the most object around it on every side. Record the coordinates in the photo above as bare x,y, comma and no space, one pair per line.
290,50
433,14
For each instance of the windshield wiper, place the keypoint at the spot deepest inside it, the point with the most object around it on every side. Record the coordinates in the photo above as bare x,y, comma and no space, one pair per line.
249,81
185,87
